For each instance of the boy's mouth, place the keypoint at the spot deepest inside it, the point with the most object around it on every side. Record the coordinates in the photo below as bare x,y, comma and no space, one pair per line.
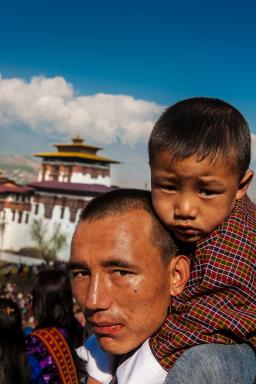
185,229
186,232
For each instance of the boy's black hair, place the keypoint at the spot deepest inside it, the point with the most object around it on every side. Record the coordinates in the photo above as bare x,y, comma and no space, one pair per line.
205,127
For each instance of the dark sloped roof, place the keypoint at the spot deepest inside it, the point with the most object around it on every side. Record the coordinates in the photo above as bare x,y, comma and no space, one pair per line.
5,180
15,189
71,188
76,155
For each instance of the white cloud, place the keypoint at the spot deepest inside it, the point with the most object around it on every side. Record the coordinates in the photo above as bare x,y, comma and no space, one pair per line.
51,105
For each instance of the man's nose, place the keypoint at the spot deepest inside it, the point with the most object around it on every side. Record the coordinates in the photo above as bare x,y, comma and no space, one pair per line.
185,207
97,295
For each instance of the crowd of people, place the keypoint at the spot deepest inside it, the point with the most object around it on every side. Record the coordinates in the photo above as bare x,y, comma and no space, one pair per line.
12,270
39,331
21,293
11,292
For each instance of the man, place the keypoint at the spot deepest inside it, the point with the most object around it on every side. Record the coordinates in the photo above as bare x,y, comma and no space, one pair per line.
125,267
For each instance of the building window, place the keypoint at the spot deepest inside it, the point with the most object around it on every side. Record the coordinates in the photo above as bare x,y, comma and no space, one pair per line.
55,172
48,211
13,215
94,174
62,211
73,212
36,209
27,218
20,217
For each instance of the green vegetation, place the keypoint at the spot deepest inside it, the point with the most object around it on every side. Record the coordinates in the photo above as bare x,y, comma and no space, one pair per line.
48,246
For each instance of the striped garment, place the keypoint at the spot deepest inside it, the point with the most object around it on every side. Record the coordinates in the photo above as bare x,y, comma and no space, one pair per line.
218,304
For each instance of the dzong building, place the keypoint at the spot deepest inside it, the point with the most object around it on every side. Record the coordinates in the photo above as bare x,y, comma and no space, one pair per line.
69,177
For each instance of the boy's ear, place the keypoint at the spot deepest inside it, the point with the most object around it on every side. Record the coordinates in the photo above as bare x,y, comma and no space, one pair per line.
244,184
179,272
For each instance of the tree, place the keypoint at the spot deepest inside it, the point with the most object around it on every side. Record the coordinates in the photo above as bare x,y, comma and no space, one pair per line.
2,231
48,246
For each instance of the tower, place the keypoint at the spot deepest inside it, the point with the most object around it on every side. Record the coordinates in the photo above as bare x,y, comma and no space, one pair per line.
75,162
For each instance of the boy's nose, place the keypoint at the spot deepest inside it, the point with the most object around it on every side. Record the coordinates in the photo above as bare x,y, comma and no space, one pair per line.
185,209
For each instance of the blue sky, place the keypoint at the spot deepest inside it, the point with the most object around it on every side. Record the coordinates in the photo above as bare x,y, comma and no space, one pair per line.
155,51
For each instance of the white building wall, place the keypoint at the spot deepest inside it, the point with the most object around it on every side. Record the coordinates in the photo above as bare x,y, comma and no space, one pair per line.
47,176
66,227
87,179
16,235
77,177
40,175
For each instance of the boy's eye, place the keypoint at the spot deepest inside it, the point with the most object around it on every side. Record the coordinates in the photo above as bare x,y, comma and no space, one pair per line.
208,192
169,188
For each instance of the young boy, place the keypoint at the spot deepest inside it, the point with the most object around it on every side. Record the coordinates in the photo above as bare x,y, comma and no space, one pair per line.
199,153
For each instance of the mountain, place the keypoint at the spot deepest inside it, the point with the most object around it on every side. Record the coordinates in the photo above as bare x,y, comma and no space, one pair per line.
21,168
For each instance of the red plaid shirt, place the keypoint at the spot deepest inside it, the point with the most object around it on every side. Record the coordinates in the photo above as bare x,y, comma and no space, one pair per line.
218,304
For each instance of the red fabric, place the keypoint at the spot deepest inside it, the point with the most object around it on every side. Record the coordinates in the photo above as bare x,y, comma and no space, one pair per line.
58,348
218,304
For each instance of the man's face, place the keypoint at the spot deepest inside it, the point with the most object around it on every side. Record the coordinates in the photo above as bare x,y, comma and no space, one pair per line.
192,197
120,280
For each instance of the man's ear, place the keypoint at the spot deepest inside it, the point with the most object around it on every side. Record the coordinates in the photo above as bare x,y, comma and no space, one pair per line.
244,184
179,272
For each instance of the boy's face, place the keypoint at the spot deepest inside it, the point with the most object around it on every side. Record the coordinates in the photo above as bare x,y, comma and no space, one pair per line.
193,197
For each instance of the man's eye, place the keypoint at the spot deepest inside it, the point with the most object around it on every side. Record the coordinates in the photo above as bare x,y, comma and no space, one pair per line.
78,274
121,272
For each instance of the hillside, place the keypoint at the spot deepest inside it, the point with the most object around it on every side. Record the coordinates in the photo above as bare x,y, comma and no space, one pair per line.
21,168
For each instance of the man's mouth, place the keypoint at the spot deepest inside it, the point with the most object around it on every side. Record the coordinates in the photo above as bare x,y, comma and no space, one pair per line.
105,328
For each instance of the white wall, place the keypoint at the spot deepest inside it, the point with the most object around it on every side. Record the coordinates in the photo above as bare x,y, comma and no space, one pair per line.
18,235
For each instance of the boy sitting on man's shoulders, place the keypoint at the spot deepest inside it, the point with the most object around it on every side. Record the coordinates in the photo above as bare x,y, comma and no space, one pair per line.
199,154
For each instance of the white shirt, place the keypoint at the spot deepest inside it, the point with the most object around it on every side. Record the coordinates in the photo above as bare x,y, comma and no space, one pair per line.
140,368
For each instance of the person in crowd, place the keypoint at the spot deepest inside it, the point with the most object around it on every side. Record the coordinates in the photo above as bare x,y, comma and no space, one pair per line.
126,273
57,331
14,365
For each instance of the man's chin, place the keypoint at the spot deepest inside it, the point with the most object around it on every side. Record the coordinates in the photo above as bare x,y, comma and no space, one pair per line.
115,347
